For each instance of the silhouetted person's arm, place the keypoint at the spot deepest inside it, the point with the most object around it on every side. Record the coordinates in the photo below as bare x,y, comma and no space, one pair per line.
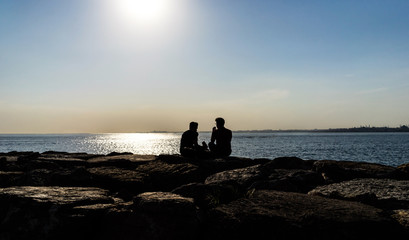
213,137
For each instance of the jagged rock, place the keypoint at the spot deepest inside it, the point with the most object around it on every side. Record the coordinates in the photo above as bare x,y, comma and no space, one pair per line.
209,195
288,163
242,176
126,182
211,166
176,158
8,179
74,176
266,177
127,161
164,215
39,177
28,157
290,180
18,154
337,171
38,164
48,212
286,215
16,161
382,193
164,202
165,177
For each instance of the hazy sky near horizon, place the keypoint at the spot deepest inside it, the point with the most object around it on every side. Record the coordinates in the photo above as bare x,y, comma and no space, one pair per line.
140,65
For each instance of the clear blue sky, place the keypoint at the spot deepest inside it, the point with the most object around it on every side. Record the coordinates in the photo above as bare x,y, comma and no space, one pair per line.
129,66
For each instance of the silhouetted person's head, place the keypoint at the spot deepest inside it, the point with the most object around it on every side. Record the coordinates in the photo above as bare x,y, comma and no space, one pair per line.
219,122
193,126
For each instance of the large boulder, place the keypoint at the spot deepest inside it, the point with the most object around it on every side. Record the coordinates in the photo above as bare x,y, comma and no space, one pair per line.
212,166
266,177
55,212
165,176
126,182
75,176
337,171
209,195
16,161
382,193
288,163
244,177
287,215
290,180
165,215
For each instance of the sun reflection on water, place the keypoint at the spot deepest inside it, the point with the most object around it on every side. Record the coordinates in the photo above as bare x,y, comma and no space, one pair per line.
138,143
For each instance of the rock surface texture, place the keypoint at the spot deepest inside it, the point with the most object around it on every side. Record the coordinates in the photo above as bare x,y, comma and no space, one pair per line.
58,195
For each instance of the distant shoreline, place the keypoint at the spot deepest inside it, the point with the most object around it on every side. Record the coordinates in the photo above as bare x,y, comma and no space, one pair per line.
335,130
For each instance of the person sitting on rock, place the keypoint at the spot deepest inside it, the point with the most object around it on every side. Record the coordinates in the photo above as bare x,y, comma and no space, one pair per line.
220,142
189,146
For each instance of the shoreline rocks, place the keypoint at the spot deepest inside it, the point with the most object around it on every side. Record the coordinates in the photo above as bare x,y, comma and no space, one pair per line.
58,195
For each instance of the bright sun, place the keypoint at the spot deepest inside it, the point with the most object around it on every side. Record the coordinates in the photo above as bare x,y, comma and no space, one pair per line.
144,13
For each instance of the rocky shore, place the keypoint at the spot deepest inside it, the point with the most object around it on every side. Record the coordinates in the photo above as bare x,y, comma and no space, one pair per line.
57,195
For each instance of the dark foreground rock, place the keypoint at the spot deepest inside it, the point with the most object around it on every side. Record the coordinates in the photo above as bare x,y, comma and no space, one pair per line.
54,212
285,215
59,195
383,193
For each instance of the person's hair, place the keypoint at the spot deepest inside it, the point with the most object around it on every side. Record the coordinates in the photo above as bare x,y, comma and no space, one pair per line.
193,125
220,121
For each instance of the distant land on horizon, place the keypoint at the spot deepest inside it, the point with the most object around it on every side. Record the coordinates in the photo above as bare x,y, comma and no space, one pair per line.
402,128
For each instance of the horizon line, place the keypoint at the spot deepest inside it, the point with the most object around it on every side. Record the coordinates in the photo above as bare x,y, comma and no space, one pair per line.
249,130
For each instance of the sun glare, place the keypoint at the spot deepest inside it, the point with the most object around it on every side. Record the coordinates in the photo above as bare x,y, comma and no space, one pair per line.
145,13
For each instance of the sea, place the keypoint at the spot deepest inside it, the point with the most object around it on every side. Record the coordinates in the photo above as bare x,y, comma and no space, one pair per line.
384,148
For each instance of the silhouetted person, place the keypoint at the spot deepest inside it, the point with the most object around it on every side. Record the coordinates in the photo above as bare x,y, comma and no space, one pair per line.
188,144
220,142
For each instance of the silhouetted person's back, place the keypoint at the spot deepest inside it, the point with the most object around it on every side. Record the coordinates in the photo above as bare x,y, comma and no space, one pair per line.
189,146
220,143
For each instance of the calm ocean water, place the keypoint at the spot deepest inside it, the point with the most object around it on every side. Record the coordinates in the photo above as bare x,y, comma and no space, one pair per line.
384,148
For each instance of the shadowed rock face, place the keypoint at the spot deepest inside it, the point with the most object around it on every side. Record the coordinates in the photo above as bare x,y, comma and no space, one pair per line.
284,215
384,193
57,195
49,212
266,177
165,215
60,195
337,171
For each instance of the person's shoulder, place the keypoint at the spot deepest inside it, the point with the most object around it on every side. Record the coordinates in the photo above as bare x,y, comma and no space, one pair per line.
190,132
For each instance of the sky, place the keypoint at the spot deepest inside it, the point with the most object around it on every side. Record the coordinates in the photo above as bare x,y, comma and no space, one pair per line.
105,66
